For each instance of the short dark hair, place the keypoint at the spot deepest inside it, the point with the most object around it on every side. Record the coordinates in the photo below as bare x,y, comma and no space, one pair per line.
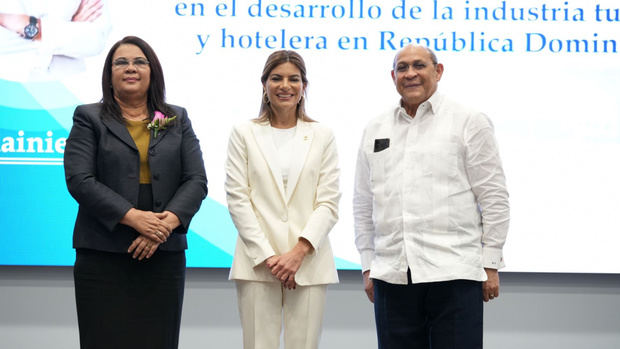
274,60
156,94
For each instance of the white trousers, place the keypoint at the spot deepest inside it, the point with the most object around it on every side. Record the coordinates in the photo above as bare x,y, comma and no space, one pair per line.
264,305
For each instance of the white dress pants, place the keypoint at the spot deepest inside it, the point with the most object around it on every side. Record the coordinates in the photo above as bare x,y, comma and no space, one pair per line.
263,306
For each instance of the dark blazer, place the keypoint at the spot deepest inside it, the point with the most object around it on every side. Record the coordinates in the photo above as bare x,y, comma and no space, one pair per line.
102,170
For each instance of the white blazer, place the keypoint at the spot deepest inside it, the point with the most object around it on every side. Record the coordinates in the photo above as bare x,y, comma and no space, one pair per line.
270,220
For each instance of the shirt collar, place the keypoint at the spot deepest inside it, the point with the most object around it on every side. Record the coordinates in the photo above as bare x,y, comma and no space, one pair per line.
431,105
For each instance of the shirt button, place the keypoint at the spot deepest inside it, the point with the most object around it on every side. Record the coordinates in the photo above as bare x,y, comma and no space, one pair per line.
284,218
157,203
156,176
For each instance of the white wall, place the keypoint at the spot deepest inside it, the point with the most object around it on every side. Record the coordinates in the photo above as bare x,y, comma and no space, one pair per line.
567,311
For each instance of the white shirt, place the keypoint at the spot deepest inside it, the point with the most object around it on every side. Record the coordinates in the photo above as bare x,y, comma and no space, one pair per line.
433,201
282,139
63,42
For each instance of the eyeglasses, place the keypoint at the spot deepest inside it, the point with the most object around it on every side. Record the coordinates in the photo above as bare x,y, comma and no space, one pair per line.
123,63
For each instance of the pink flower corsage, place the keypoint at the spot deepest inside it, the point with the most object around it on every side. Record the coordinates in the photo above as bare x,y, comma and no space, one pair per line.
159,122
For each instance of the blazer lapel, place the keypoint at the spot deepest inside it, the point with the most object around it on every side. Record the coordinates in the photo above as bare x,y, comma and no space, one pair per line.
160,135
120,131
264,139
300,148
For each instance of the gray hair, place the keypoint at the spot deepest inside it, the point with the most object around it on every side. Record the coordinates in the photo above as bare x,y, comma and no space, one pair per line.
430,52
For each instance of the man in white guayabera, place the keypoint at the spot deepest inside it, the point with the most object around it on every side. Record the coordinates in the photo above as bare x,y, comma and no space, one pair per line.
431,213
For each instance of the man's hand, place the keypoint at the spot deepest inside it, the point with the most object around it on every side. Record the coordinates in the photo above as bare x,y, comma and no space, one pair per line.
490,288
369,286
17,23
88,11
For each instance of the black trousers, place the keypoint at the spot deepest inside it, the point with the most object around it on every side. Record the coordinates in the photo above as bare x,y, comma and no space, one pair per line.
437,315
125,303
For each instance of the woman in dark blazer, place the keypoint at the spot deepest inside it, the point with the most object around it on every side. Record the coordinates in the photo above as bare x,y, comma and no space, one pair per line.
138,181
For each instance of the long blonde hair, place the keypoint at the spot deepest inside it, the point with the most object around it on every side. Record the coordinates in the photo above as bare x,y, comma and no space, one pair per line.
274,60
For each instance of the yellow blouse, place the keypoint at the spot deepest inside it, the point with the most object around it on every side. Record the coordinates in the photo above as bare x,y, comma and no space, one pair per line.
141,136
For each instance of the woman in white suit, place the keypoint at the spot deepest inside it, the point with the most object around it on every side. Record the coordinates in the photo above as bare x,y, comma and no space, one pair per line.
282,192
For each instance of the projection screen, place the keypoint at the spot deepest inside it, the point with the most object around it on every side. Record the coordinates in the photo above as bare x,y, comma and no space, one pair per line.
547,74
